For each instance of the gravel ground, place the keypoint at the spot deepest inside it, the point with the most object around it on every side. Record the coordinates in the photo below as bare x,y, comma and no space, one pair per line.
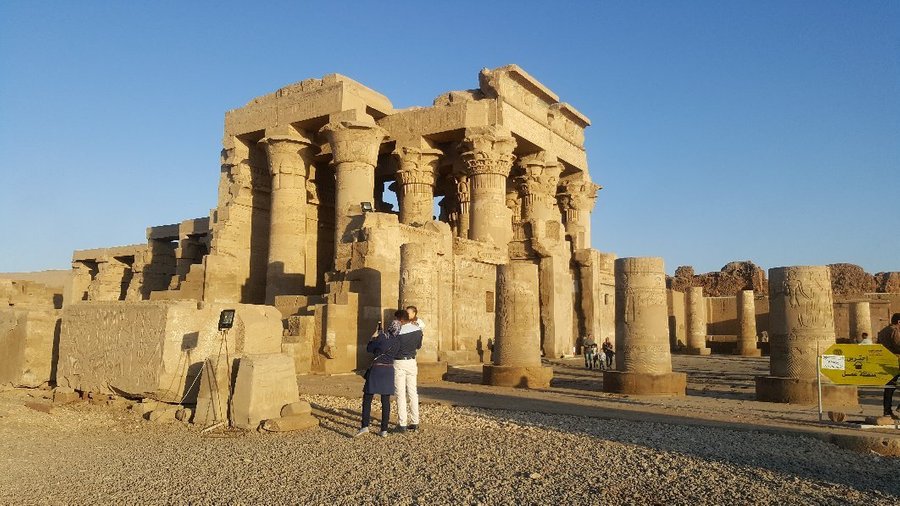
85,454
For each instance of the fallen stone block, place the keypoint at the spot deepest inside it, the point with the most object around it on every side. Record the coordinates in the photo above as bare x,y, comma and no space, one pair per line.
155,348
184,415
145,406
163,415
264,384
39,406
296,408
65,395
290,423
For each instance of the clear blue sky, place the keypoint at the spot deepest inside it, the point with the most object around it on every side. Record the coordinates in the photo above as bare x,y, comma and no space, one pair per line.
722,130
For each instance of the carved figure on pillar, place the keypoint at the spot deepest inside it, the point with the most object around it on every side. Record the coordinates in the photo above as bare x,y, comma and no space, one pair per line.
487,154
289,154
417,168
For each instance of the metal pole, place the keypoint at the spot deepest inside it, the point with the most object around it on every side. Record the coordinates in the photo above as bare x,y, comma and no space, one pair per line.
819,378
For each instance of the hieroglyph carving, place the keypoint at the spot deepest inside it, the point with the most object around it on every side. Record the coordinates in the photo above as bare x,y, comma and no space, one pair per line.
642,329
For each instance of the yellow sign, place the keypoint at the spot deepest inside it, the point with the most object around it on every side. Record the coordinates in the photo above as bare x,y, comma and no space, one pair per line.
859,364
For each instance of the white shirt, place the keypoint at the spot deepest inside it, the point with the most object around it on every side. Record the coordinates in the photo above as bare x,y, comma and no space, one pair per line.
866,341
420,322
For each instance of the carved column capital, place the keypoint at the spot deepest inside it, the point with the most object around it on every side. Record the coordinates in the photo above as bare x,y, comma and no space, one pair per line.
417,166
579,195
540,175
488,150
289,151
354,141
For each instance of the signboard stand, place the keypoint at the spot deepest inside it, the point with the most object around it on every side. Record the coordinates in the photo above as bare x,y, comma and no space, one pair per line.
862,365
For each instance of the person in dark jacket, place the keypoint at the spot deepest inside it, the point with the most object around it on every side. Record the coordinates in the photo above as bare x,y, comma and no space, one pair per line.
379,380
889,337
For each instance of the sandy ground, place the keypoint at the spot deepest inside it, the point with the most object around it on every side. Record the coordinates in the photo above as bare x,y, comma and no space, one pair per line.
478,445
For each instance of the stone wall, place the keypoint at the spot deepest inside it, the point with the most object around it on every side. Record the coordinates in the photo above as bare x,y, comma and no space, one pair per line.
155,349
28,340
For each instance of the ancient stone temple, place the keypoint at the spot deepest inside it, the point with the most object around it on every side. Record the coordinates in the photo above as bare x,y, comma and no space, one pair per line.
306,222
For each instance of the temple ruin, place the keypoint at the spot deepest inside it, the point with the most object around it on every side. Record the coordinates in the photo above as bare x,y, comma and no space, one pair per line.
483,178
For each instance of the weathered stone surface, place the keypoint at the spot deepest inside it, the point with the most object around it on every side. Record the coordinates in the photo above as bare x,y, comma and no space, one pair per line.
860,320
290,423
296,408
850,280
695,309
214,392
746,315
27,340
65,395
733,277
264,385
155,349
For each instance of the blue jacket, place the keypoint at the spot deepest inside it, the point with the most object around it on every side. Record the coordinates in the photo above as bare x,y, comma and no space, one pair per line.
380,376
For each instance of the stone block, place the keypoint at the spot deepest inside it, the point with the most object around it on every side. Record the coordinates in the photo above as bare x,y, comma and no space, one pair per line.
804,392
155,349
296,408
431,372
518,377
65,395
165,414
698,351
290,423
264,385
27,338
636,383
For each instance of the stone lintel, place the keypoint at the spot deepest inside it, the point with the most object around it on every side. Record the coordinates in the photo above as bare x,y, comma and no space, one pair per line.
103,253
491,82
571,113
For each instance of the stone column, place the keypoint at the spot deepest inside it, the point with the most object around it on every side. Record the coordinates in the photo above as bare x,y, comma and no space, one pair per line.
354,150
111,281
860,320
290,154
695,309
517,344
464,197
643,359
418,166
801,317
419,283
577,200
487,153
538,185
746,314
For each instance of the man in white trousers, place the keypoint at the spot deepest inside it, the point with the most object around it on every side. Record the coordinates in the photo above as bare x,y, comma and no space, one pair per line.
405,372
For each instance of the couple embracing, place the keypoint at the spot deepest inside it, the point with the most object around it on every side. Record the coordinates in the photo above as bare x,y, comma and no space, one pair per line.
394,371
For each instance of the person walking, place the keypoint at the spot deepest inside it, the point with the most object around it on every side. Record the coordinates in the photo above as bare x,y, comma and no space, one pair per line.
889,337
405,372
608,351
379,380
588,349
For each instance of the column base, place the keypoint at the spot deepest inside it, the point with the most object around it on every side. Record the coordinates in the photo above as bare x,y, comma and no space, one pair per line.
748,352
803,391
697,351
518,377
638,383
431,372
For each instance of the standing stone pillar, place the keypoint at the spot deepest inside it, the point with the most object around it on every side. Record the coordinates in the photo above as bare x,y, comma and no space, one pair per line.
419,282
577,200
418,165
860,320
517,344
643,359
695,307
464,197
746,314
801,317
290,154
487,153
354,150
111,282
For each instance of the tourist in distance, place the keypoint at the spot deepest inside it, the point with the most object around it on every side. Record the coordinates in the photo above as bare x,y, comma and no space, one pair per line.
589,350
889,337
865,339
608,351
409,341
414,317
379,379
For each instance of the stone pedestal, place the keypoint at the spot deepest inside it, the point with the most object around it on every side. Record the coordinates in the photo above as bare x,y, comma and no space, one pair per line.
746,314
695,307
264,385
517,354
860,320
487,154
801,319
289,156
643,359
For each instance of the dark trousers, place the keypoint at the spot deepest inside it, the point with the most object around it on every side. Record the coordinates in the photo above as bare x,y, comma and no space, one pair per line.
609,359
385,410
889,394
